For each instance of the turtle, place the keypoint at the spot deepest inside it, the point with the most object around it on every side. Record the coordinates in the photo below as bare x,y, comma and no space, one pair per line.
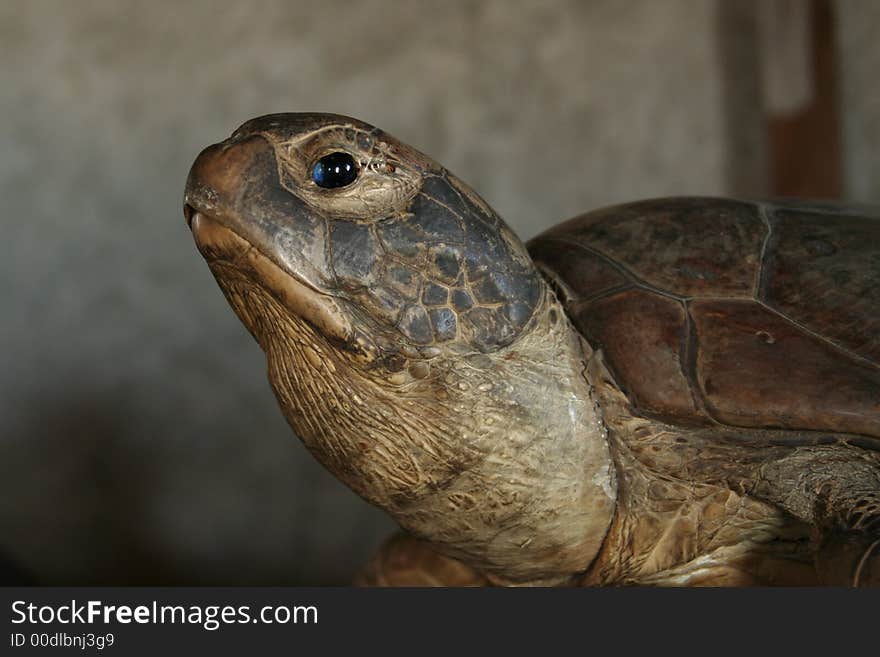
675,392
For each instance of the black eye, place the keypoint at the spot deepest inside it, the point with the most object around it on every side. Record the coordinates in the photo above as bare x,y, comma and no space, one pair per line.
335,170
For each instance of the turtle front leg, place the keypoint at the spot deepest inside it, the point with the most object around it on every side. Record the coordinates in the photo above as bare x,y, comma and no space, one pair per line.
844,559
407,561
849,550
848,521
837,491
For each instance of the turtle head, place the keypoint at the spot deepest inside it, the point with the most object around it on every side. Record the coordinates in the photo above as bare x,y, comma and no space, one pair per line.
410,341
361,236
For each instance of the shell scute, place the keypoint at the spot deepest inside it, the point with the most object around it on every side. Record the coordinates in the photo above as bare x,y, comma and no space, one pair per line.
745,314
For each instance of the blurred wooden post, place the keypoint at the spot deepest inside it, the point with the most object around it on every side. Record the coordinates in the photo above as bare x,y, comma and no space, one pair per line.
799,82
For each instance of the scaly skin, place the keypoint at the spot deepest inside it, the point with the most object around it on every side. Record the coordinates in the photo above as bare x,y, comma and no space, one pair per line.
420,356
450,445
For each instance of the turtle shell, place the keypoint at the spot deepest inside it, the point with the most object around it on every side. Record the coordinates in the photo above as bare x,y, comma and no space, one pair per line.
712,310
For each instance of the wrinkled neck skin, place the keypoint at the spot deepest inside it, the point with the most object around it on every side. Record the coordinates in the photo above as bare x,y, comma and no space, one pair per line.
499,459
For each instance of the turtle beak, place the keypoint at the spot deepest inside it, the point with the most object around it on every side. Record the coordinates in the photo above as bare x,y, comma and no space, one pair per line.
245,223
188,212
236,184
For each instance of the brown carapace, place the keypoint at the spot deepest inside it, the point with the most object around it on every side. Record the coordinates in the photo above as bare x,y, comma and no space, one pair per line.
714,311
680,391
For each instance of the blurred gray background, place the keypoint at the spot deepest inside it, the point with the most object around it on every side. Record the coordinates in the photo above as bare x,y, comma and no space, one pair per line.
139,438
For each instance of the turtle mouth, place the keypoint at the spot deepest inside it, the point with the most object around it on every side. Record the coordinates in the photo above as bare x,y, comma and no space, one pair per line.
224,249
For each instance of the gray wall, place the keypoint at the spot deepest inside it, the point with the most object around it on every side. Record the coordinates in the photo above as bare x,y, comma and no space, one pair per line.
859,31
140,440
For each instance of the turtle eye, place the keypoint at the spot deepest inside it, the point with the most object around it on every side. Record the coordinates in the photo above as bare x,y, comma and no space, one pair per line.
335,170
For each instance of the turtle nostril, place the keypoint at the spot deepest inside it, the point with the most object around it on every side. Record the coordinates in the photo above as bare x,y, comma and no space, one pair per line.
188,213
